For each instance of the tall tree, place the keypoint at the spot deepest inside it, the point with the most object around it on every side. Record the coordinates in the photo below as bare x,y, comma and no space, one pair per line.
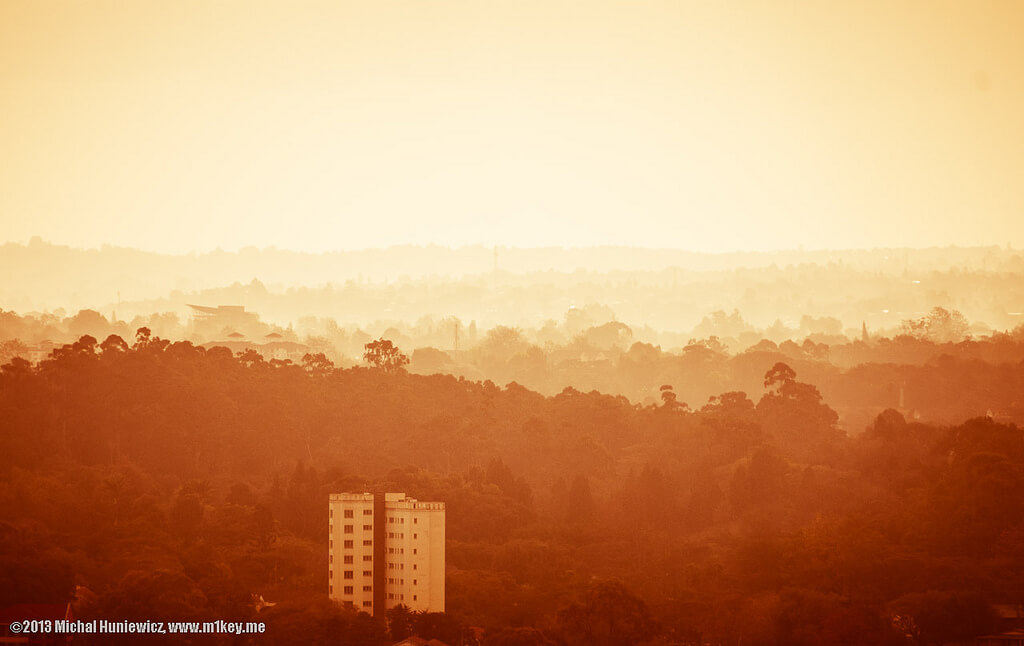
383,354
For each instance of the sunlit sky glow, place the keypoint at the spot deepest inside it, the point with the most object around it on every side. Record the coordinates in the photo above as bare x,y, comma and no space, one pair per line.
711,126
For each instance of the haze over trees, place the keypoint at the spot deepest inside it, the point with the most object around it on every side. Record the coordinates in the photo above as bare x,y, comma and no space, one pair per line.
726,456
933,366
162,478
665,290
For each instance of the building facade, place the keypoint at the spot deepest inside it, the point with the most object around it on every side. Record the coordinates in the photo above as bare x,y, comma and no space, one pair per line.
385,550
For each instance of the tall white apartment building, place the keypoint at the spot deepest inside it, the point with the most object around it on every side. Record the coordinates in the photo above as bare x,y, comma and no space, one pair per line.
386,550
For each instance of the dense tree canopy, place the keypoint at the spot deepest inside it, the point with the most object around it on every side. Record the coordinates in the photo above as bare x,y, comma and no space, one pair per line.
163,478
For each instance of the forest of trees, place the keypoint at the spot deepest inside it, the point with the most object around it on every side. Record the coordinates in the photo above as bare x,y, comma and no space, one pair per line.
932,368
151,479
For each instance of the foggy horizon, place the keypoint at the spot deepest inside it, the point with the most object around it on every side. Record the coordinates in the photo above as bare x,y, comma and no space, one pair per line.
1013,240
42,276
270,246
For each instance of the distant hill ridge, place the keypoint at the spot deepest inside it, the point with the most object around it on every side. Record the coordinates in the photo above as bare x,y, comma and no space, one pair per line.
41,275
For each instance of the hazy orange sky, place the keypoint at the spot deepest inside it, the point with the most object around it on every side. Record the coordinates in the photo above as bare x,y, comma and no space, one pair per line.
711,126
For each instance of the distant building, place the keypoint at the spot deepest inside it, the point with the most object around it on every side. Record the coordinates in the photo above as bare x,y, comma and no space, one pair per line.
285,350
210,320
282,350
386,550
40,352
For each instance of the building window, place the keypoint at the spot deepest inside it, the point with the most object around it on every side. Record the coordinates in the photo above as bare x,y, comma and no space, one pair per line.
332,513
348,558
332,559
331,589
416,521
415,536
331,544
367,557
367,604
368,542
367,512
348,513
349,590
367,588
414,581
414,597
367,572
414,566
348,545
348,574
367,528
349,529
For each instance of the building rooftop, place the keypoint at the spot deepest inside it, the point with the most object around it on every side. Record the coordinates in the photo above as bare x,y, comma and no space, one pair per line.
351,496
220,309
399,499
